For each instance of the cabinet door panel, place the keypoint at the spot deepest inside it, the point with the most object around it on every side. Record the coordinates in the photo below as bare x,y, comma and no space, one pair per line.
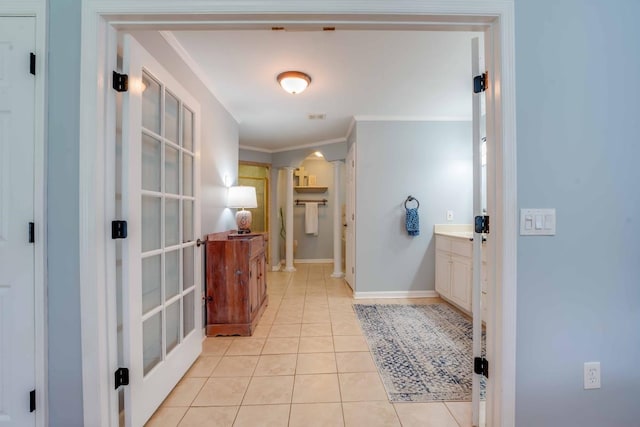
461,282
253,285
443,274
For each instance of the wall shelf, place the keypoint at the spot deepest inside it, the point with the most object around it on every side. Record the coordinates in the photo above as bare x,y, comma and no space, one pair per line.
310,189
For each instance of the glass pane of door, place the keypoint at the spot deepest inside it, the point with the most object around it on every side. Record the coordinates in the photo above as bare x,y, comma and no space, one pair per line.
151,225
151,165
171,274
173,325
152,342
171,111
187,221
187,263
151,105
171,170
189,315
187,175
187,129
151,283
171,222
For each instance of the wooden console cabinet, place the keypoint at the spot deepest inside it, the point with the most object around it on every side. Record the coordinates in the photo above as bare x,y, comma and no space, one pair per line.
236,291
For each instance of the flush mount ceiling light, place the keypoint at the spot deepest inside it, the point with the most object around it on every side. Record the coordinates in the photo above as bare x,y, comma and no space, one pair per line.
294,82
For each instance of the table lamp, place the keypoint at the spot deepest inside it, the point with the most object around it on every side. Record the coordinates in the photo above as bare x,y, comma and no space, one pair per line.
241,197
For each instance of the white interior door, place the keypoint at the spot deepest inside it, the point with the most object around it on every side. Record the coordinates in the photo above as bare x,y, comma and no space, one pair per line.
17,327
350,244
162,334
479,209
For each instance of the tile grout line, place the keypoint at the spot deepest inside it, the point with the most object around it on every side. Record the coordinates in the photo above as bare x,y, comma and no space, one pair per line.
451,413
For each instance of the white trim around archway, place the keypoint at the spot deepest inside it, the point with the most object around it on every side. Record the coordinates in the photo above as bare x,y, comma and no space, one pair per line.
100,17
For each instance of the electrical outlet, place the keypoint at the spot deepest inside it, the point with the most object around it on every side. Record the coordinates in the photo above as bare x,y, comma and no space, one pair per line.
591,375
449,215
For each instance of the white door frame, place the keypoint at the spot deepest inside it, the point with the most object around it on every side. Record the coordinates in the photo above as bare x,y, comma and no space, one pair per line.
100,15
37,9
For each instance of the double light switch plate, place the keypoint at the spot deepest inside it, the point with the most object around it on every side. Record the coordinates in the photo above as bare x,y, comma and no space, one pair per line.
537,222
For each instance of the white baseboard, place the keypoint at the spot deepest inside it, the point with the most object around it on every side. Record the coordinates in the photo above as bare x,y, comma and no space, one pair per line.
314,261
396,294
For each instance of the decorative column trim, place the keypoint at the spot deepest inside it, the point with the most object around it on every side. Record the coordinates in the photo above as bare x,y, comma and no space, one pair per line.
289,222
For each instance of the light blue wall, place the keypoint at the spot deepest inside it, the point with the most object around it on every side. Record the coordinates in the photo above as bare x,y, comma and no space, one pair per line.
431,161
63,269
293,158
320,246
255,156
578,118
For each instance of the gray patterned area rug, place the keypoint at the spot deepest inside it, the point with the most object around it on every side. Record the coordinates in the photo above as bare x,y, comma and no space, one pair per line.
423,352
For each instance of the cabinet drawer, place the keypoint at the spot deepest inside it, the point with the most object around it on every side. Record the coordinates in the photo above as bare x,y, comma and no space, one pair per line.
461,247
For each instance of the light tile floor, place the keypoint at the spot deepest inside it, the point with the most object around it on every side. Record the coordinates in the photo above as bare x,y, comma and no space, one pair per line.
307,364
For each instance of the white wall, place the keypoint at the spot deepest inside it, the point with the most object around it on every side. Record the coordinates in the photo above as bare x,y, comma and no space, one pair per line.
218,140
432,161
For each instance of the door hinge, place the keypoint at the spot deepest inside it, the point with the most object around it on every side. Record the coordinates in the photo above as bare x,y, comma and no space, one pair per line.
481,82
481,366
32,401
482,224
121,377
120,82
32,63
32,232
118,229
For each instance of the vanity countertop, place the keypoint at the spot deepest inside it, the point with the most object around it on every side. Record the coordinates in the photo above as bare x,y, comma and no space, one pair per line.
459,234
461,231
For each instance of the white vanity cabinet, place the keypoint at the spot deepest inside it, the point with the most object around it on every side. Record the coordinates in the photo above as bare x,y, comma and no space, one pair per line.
454,271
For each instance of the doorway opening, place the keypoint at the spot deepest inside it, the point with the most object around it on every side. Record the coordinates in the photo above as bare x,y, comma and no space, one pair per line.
508,127
258,175
424,161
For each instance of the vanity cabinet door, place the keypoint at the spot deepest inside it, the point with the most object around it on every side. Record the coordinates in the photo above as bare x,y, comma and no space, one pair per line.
461,279
443,274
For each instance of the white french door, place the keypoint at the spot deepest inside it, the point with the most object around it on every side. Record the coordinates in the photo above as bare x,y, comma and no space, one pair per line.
162,334
17,281
479,209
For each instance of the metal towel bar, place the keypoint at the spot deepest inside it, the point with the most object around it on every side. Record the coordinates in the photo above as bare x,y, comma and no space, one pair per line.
300,202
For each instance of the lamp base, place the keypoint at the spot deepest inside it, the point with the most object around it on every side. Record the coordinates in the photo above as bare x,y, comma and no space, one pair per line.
243,220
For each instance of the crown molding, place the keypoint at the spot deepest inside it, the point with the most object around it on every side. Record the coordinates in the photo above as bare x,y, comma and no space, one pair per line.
382,118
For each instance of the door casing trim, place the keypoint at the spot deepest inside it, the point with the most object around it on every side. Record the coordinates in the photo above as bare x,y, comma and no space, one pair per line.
99,15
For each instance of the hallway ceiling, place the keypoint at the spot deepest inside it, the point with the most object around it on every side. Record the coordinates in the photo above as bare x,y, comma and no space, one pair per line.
400,75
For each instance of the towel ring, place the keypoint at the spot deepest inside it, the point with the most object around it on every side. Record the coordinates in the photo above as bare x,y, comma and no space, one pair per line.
411,199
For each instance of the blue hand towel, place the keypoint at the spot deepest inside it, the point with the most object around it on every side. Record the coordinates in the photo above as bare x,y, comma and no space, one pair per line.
412,222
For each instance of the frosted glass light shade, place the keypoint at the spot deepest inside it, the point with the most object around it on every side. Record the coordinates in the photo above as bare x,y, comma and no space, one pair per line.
294,82
242,197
